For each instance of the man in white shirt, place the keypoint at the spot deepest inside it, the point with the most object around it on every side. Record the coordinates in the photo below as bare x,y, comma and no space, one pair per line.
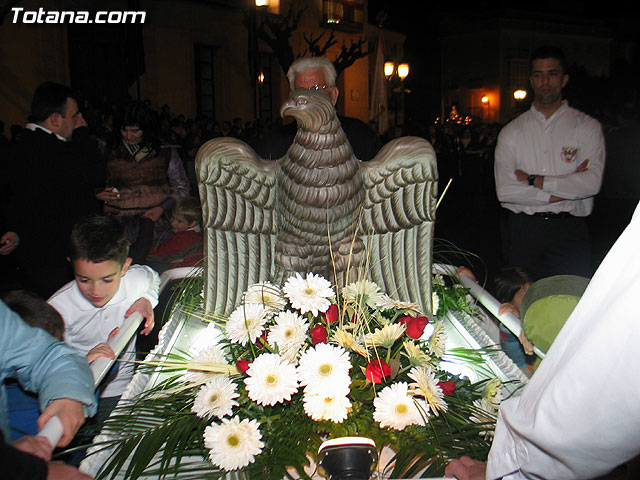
578,416
549,164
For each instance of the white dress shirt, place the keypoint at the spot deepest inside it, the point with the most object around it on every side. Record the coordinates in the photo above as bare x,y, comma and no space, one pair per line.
86,325
578,416
553,147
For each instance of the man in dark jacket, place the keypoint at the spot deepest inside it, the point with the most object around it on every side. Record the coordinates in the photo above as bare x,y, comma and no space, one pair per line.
54,170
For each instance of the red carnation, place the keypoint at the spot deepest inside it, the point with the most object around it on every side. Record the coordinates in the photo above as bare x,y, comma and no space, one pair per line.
448,387
318,334
377,370
415,325
331,315
243,365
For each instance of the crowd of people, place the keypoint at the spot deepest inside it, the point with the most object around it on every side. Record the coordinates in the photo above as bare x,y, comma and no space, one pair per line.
98,200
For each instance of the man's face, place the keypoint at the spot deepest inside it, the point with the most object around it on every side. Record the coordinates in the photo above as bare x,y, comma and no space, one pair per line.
67,122
99,282
314,80
547,80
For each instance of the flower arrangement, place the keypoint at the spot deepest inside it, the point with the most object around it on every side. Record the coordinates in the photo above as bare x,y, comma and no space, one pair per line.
299,363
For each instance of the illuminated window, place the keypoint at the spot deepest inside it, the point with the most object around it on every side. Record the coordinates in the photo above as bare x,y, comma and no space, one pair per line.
344,14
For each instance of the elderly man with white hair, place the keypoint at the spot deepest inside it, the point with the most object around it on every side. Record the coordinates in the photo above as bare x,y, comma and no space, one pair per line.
318,73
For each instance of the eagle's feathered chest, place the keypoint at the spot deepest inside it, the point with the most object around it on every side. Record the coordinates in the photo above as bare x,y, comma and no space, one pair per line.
320,187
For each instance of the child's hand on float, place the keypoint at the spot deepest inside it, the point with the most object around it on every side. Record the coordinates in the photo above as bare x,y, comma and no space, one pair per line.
505,308
143,307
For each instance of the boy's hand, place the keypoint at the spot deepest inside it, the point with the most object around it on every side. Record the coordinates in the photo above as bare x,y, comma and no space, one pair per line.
465,271
527,346
100,350
505,308
71,414
38,446
144,308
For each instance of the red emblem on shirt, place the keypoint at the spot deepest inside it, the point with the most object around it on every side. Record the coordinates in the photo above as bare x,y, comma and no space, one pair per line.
569,154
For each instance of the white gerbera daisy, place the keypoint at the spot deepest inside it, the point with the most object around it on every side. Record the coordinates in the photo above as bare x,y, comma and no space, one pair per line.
415,354
363,292
233,443
426,386
197,367
271,380
310,294
266,294
396,408
288,334
246,323
330,406
385,336
438,340
216,398
324,368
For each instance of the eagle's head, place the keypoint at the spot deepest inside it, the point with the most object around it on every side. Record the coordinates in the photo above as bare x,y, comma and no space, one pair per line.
312,110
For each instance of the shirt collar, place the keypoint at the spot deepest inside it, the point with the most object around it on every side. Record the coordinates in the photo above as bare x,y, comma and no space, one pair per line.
35,126
561,109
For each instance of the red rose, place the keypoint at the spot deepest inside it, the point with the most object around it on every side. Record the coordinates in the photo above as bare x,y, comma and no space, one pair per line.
243,365
318,334
376,371
447,387
331,315
415,325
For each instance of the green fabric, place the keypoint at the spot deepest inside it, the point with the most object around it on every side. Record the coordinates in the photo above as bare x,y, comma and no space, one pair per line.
545,318
547,305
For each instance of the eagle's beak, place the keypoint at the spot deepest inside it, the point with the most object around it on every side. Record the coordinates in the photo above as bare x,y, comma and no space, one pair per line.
286,106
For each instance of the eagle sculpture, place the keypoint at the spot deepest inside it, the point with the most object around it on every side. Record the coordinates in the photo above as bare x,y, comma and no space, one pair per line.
317,209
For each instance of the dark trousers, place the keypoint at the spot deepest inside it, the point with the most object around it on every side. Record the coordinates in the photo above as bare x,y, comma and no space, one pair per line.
548,245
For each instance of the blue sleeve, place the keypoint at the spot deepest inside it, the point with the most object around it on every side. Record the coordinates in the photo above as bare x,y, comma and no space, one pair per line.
41,364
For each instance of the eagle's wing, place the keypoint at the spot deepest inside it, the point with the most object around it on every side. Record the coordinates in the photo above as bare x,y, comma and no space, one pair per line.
398,218
238,194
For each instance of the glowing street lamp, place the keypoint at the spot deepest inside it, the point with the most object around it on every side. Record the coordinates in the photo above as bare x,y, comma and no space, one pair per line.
403,71
389,68
520,94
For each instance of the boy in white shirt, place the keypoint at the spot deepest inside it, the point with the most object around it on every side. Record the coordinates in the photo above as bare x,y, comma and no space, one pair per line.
105,291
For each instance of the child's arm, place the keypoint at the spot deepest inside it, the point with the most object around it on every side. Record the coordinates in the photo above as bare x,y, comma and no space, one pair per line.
102,349
143,285
144,308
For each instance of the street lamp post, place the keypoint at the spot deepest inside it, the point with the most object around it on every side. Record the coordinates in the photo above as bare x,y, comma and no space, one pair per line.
486,101
395,75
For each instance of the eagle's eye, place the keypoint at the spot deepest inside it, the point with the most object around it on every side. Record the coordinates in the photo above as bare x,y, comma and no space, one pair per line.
302,101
